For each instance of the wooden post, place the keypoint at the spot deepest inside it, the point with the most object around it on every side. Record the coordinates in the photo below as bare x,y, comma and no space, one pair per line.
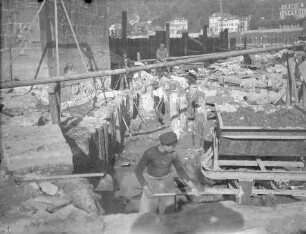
226,39
152,46
221,41
185,43
291,71
124,30
289,85
213,40
303,87
302,69
139,73
11,65
245,196
168,37
204,42
46,40
106,144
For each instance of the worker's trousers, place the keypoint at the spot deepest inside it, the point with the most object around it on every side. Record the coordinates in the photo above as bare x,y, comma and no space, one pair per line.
163,184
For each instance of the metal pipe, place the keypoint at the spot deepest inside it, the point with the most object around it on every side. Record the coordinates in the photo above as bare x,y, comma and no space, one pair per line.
206,57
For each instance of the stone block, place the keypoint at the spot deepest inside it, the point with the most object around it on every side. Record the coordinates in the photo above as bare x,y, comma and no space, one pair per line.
48,188
34,146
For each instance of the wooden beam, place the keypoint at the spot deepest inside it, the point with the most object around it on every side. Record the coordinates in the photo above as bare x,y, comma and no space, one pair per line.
90,75
124,30
249,163
304,94
289,85
291,67
57,177
168,37
46,41
185,42
258,137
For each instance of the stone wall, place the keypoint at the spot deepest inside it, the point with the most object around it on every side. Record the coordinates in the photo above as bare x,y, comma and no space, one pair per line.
90,26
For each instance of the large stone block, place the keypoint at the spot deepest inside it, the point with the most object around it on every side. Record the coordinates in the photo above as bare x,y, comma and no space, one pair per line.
34,146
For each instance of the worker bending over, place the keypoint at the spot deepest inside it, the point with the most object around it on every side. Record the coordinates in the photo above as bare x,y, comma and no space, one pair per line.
158,178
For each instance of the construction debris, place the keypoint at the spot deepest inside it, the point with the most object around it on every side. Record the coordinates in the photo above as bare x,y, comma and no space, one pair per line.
94,132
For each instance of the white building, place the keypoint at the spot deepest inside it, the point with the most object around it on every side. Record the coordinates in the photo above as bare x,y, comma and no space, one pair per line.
177,26
295,9
232,23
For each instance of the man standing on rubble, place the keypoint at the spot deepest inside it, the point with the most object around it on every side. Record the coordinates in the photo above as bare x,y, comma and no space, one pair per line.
195,97
158,179
162,56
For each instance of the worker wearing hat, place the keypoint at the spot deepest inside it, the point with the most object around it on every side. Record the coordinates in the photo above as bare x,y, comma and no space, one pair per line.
195,96
157,179
192,76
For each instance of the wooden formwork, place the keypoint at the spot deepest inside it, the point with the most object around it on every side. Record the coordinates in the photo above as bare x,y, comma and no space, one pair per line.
248,154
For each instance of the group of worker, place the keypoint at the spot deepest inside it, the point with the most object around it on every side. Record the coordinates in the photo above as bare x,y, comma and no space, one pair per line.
153,170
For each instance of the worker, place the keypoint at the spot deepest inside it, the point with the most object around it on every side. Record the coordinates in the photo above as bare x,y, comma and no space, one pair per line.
158,178
159,102
125,79
195,96
162,56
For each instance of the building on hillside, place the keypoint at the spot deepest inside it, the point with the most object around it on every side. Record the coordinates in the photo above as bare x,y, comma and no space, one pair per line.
140,28
177,26
230,22
115,30
293,9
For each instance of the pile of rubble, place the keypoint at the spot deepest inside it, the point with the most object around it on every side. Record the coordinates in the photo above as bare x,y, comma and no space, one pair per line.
268,117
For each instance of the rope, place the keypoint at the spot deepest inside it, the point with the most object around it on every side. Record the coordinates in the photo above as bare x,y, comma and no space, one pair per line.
23,39
78,46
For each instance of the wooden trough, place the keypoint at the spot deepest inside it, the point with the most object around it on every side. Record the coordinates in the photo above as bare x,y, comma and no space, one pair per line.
250,155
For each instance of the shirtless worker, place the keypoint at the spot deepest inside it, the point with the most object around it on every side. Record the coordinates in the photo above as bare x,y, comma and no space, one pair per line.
158,179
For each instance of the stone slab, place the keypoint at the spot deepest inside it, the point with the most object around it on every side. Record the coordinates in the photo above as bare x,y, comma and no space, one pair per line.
34,146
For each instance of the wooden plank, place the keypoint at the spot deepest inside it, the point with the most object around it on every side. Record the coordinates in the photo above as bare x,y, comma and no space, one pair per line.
106,144
258,137
249,163
57,177
260,164
304,94
252,128
289,86
216,153
291,67
297,193
254,175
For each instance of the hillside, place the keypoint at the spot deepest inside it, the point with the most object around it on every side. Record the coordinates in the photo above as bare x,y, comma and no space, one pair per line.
196,11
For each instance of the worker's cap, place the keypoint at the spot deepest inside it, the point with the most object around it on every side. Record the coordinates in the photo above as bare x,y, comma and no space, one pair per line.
194,70
168,138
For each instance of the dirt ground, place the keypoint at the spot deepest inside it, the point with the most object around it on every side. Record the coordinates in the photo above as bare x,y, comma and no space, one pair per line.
280,118
209,215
